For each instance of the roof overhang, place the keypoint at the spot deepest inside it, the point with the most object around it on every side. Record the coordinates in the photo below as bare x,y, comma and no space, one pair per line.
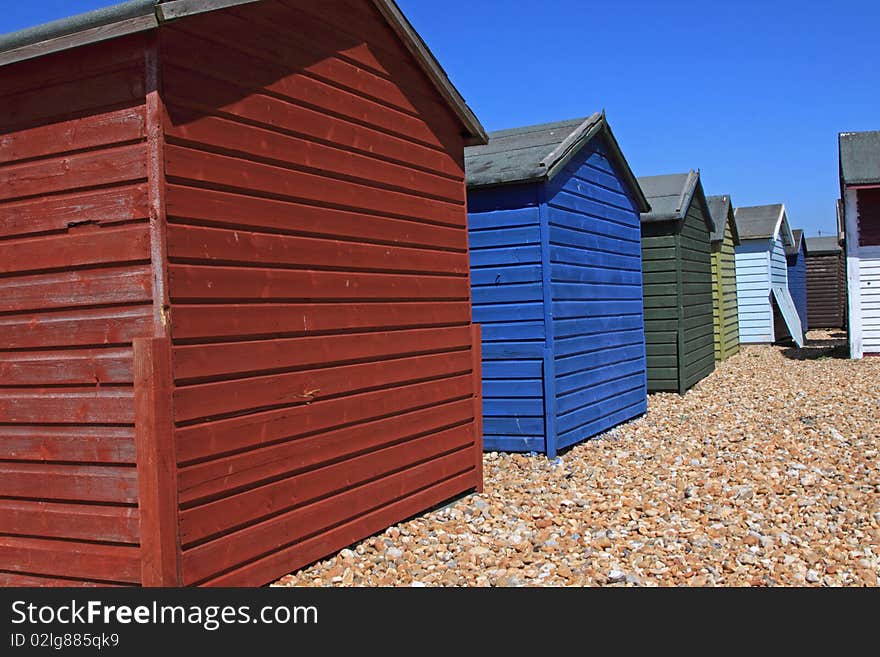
137,16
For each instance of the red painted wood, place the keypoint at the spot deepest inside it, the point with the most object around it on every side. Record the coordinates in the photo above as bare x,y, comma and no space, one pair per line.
67,405
70,367
211,399
87,247
290,558
116,524
54,213
477,373
223,93
236,358
238,139
108,56
213,439
282,73
869,217
57,102
209,558
90,444
213,478
88,132
23,580
75,327
33,556
112,285
221,246
119,165
156,467
87,483
236,173
197,283
226,210
220,516
222,321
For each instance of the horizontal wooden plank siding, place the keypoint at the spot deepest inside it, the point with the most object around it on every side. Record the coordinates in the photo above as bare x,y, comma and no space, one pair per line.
724,300
508,302
869,297
661,300
318,275
797,283
595,256
826,290
753,292
696,286
75,290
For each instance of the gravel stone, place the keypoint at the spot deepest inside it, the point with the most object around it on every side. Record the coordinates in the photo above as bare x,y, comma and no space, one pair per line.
767,473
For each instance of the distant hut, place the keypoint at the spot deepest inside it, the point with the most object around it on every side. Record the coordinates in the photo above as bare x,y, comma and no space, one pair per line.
724,305
860,187
556,279
796,260
677,266
826,283
767,312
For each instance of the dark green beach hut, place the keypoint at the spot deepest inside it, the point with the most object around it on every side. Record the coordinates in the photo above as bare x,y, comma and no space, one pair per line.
677,282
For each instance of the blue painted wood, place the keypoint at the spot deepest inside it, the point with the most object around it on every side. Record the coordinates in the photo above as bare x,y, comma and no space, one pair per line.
797,282
556,277
753,291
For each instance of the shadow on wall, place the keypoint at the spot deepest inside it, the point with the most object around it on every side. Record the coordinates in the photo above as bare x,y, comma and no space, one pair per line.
268,70
831,345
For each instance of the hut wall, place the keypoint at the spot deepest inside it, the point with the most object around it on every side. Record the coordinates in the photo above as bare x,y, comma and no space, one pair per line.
320,308
724,298
595,276
797,283
753,292
75,251
660,270
826,290
697,329
508,302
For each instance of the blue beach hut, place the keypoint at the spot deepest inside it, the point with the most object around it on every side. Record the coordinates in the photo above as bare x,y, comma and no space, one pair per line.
796,257
556,277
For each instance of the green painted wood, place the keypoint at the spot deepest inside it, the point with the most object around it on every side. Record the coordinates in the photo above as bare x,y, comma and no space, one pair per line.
725,308
678,300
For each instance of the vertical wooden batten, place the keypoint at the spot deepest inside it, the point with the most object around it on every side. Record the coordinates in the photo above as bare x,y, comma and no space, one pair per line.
153,381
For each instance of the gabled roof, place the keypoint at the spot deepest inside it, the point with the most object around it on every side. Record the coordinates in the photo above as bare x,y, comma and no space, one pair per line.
763,222
539,152
671,196
721,209
822,245
143,15
859,158
795,246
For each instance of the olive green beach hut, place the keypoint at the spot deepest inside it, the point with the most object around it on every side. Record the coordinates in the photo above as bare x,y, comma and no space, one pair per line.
724,306
677,282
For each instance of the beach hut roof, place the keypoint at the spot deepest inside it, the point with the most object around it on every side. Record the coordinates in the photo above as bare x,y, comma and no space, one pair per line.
759,222
795,246
721,208
670,196
822,245
537,153
860,158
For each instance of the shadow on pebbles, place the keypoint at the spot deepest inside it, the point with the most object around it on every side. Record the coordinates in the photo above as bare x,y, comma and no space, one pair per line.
766,473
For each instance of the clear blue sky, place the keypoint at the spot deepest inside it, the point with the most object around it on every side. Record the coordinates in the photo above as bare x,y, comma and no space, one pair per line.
752,93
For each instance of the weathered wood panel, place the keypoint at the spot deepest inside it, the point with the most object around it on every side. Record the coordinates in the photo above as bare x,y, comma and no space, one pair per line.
75,290
318,280
826,290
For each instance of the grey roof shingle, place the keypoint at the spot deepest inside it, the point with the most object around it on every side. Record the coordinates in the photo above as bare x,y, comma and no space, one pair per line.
795,246
859,157
136,16
721,209
822,245
670,196
537,153
758,221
